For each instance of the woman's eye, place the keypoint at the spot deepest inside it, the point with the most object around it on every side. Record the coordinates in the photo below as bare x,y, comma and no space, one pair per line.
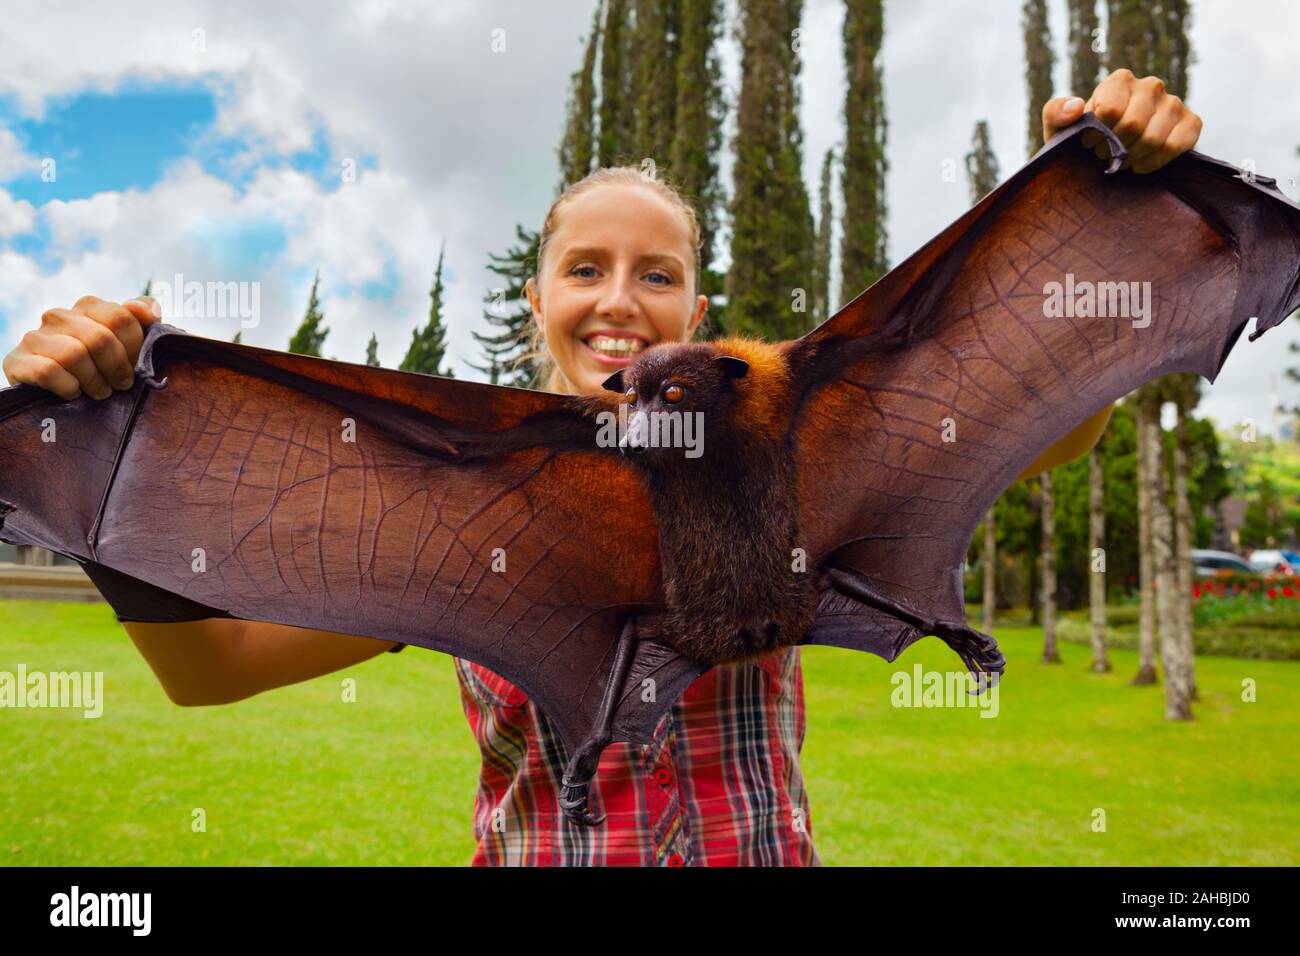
576,269
674,393
662,275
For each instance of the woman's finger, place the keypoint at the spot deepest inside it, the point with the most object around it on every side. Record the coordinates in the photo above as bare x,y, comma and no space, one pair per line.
21,366
80,345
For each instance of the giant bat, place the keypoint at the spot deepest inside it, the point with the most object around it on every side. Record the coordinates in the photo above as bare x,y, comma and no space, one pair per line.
840,477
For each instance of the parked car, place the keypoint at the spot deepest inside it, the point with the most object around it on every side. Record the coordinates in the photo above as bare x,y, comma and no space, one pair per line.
1211,563
1275,561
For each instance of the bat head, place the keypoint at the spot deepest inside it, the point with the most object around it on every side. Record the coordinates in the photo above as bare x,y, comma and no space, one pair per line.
671,391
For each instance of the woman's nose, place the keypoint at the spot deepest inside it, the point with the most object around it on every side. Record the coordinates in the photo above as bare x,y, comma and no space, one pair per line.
617,300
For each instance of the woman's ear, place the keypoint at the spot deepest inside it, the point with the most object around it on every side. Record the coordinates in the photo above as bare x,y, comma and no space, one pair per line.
534,302
701,307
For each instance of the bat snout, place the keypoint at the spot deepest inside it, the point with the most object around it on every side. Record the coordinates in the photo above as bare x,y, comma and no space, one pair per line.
636,439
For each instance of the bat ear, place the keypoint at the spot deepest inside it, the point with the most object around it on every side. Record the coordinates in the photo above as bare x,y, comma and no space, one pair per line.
732,367
615,382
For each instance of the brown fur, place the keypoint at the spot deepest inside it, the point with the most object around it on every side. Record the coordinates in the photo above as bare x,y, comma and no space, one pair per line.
727,519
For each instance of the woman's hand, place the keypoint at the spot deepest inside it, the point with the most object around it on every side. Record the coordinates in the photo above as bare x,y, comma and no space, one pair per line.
1153,125
91,347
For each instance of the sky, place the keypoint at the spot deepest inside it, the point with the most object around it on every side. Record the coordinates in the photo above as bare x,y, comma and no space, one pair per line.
261,143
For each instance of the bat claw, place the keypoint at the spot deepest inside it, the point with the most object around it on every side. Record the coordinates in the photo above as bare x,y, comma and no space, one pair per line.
573,800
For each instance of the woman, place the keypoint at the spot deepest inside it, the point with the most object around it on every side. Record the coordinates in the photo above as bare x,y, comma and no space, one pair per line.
720,782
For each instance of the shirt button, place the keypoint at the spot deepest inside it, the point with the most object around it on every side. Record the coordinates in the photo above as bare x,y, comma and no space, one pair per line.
663,777
675,860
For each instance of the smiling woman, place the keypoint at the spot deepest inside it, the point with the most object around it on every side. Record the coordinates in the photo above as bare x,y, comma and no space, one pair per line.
618,271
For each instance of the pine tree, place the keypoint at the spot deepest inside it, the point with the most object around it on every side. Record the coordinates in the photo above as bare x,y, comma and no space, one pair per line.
310,336
429,345
863,256
238,339
510,342
372,351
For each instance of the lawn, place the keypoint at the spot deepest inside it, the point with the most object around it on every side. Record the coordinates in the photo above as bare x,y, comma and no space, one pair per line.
298,776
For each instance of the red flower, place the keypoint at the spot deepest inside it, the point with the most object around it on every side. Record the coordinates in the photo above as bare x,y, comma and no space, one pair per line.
1289,592
1272,593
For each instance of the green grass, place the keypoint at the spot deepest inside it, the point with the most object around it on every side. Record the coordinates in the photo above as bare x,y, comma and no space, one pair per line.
296,776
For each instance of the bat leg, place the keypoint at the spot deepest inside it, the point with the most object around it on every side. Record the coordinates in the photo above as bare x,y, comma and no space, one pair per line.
979,651
581,767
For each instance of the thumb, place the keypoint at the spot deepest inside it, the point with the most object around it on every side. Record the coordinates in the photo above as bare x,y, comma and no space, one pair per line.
145,308
1060,112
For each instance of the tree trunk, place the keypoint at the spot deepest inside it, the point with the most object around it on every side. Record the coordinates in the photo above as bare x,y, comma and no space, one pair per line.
1035,604
1050,653
1097,562
1173,651
1183,539
1146,617
990,573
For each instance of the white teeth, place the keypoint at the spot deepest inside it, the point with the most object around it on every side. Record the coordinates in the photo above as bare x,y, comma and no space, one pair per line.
617,347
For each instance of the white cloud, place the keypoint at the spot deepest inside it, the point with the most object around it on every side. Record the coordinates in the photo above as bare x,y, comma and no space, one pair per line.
17,216
15,161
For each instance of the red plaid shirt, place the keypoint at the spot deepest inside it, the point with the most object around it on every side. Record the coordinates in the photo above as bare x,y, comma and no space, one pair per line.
718,785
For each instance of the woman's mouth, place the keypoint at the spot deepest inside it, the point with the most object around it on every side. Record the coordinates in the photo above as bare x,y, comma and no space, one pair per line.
614,351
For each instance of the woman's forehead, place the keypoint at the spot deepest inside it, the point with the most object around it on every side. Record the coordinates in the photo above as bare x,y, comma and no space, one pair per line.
617,216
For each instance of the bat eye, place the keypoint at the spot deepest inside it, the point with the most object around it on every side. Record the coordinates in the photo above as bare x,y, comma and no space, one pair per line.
630,395
674,393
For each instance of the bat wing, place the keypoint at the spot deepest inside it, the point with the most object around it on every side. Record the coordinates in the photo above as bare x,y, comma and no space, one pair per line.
473,519
935,388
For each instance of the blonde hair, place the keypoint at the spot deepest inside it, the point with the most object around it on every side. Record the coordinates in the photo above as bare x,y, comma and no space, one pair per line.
548,373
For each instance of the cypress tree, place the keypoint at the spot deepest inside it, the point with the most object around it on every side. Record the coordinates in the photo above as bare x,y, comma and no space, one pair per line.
576,152
656,78
863,257
617,67
981,164
772,231
697,139
1085,62
822,259
1039,58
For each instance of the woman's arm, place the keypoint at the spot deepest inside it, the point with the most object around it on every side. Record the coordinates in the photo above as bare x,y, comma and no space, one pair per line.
1077,443
222,660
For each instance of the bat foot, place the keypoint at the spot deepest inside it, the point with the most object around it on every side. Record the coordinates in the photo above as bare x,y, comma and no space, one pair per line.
581,768
576,783
573,801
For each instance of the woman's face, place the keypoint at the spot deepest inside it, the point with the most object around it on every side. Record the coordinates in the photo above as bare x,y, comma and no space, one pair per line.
618,278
